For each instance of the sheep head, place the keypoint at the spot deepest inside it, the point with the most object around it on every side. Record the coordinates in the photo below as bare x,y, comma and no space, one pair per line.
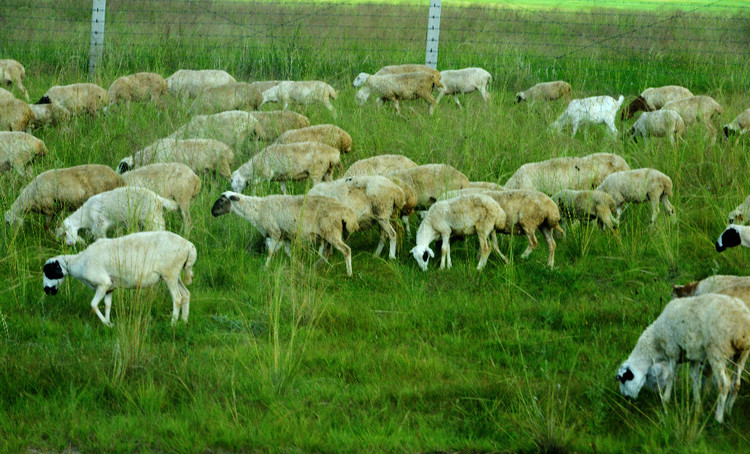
520,97
224,204
631,380
422,255
729,238
360,79
637,105
681,291
55,270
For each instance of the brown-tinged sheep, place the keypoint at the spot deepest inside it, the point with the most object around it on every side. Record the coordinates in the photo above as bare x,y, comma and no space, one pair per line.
138,87
700,109
637,186
546,91
201,155
400,87
328,134
379,165
17,150
13,73
15,115
586,206
232,128
231,96
654,99
273,123
77,98
658,123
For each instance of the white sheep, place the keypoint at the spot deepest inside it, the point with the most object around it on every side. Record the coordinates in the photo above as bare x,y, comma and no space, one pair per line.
733,235
465,80
233,128
301,92
129,205
737,286
189,83
593,110
740,126
288,162
379,165
658,123
5,95
231,96
328,134
586,206
77,98
396,69
463,215
699,109
49,114
652,99
741,214
546,91
17,150
273,123
201,155
639,185
709,328
138,87
132,261
400,87
62,189
15,115
13,73
281,219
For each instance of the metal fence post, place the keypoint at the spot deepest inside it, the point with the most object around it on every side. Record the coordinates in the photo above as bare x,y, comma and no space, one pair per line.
433,34
97,35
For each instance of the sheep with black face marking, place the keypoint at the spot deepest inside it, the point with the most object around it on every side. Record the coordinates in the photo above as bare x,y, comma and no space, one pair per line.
77,98
379,165
637,186
49,114
301,92
280,219
138,87
273,123
400,87
137,260
466,80
231,96
652,99
15,115
18,149
546,91
590,111
733,235
697,109
13,73
587,205
328,134
189,83
740,215
232,128
710,328
740,126
201,155
659,123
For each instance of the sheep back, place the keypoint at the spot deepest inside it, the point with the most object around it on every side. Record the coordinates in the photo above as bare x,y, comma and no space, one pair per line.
328,134
136,87
429,181
201,155
232,128
189,83
546,91
77,98
379,165
636,185
273,123
231,96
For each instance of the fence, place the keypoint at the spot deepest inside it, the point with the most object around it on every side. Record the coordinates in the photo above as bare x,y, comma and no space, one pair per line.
704,46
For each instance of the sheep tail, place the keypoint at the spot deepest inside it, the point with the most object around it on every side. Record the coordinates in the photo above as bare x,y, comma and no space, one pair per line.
332,93
620,100
559,229
192,256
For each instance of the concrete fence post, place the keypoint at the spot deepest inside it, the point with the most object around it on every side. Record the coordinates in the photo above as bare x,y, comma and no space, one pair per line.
97,35
433,34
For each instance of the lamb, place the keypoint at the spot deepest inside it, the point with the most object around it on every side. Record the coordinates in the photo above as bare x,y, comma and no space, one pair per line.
395,87
133,261
77,98
232,128
464,80
231,96
733,235
284,162
709,328
143,86
737,286
328,134
740,126
273,123
659,123
201,155
58,189
738,215
397,69
587,206
429,181
126,205
379,165
17,150
546,91
697,109
283,218
462,215
639,185
13,73
303,92
189,83
556,174
172,180
49,114
15,115
592,110
371,197
652,99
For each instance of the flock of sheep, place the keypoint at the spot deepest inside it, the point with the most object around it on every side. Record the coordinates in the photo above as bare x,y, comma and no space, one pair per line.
702,326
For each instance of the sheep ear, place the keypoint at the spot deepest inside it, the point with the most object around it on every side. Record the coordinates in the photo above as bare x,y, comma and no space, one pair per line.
740,218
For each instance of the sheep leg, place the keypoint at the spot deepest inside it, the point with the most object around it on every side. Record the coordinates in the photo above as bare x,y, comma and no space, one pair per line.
107,304
485,94
611,128
551,246
696,376
736,380
407,227
575,128
445,251
339,244
485,250
395,104
441,93
493,236
455,97
186,221
654,206
670,381
185,301
387,230
101,291
271,246
283,187
330,107
532,244
668,206
432,103
723,383
176,292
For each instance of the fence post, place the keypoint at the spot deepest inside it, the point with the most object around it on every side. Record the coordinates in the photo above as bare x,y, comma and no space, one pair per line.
97,35
433,34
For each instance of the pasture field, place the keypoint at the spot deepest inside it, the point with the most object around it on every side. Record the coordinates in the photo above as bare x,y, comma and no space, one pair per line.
516,358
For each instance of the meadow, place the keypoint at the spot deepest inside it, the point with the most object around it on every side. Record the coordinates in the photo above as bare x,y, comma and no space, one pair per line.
516,358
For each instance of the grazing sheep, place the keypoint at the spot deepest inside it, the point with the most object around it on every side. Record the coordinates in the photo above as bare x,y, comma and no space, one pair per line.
328,134
411,199
171,180
57,189
371,197
709,328
639,185
396,69
593,110
77,98
733,235
17,150
231,96
740,126
652,99
379,165
263,85
395,87
587,206
283,218
133,261
464,215
546,91
13,73
740,214
429,181
128,205
464,80
273,123
49,114
285,162
201,155
15,115
697,109
232,128
189,83
737,286
658,123
555,174
5,95
303,92
144,86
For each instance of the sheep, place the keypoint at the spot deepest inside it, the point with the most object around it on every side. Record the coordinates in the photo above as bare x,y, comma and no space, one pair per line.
658,123
587,206
58,189
303,92
652,99
233,128
201,155
464,215
546,91
77,98
371,197
328,134
15,115
395,87
5,95
283,218
263,85
143,86
128,205
290,161
49,114
708,328
464,80
189,83
555,174
737,286
17,150
697,109
639,185
431,180
486,185
13,73
132,261
733,235
397,69
379,165
740,126
273,123
592,110
231,96
738,215
171,180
